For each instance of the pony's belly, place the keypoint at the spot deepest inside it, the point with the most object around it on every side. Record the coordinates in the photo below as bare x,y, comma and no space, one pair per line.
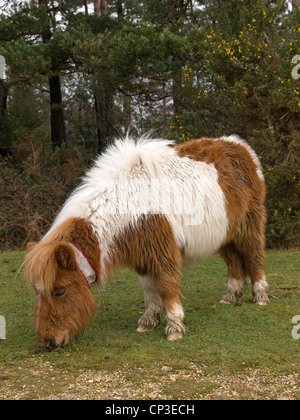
201,236
201,243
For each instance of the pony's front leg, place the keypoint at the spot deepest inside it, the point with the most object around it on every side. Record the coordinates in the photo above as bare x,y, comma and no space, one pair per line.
153,304
169,289
160,257
175,328
157,294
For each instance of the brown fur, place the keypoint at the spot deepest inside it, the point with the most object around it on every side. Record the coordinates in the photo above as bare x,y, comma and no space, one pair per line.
40,262
150,248
245,193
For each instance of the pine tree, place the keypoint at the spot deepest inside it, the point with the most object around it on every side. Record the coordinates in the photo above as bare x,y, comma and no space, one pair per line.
4,124
101,95
58,129
295,5
30,60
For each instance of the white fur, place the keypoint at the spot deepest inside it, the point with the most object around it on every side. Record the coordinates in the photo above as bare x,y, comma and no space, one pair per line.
84,266
260,286
235,287
153,304
259,290
122,179
237,140
175,319
152,299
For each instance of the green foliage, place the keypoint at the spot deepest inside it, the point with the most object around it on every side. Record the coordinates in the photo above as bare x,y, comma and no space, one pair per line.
183,69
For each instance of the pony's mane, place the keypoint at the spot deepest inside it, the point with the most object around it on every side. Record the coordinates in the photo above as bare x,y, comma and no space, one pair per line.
41,267
124,156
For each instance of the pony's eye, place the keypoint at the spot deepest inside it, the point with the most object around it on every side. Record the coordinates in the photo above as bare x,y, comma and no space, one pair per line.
59,293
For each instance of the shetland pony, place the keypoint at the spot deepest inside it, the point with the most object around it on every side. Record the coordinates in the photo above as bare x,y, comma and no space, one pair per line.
150,205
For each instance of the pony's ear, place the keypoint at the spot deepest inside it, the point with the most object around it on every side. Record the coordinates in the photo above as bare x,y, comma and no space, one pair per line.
30,245
65,256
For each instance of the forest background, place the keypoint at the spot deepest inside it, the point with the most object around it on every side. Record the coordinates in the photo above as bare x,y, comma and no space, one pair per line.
80,73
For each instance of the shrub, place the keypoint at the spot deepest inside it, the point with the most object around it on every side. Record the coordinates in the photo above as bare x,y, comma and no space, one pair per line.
33,189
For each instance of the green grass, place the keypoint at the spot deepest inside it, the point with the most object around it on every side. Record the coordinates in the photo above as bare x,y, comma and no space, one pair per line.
219,337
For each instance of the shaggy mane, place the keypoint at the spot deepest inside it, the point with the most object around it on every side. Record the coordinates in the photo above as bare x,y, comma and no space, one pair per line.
41,267
124,156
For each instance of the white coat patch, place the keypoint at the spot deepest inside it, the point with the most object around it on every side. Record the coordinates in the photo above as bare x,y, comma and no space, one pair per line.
133,178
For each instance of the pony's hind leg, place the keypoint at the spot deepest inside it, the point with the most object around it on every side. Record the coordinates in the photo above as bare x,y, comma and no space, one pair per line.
251,244
153,304
255,266
236,274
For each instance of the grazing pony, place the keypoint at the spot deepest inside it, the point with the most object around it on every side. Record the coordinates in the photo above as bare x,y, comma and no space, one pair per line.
150,205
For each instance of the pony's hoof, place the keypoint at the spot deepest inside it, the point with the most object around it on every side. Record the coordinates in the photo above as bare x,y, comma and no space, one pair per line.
261,299
226,302
262,303
142,329
174,336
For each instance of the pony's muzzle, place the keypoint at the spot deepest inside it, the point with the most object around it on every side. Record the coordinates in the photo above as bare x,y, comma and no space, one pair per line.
51,345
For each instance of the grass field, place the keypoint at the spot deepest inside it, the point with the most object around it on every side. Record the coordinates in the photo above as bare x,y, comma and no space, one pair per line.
229,351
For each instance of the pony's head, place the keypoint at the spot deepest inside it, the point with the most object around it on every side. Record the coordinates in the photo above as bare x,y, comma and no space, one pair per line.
64,302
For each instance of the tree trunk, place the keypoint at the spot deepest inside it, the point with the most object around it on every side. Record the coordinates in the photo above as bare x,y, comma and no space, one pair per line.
119,5
296,5
3,117
3,97
100,7
58,128
101,118
86,9
101,100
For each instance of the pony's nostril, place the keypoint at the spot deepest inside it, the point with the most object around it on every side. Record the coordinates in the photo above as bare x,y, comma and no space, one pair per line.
50,344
